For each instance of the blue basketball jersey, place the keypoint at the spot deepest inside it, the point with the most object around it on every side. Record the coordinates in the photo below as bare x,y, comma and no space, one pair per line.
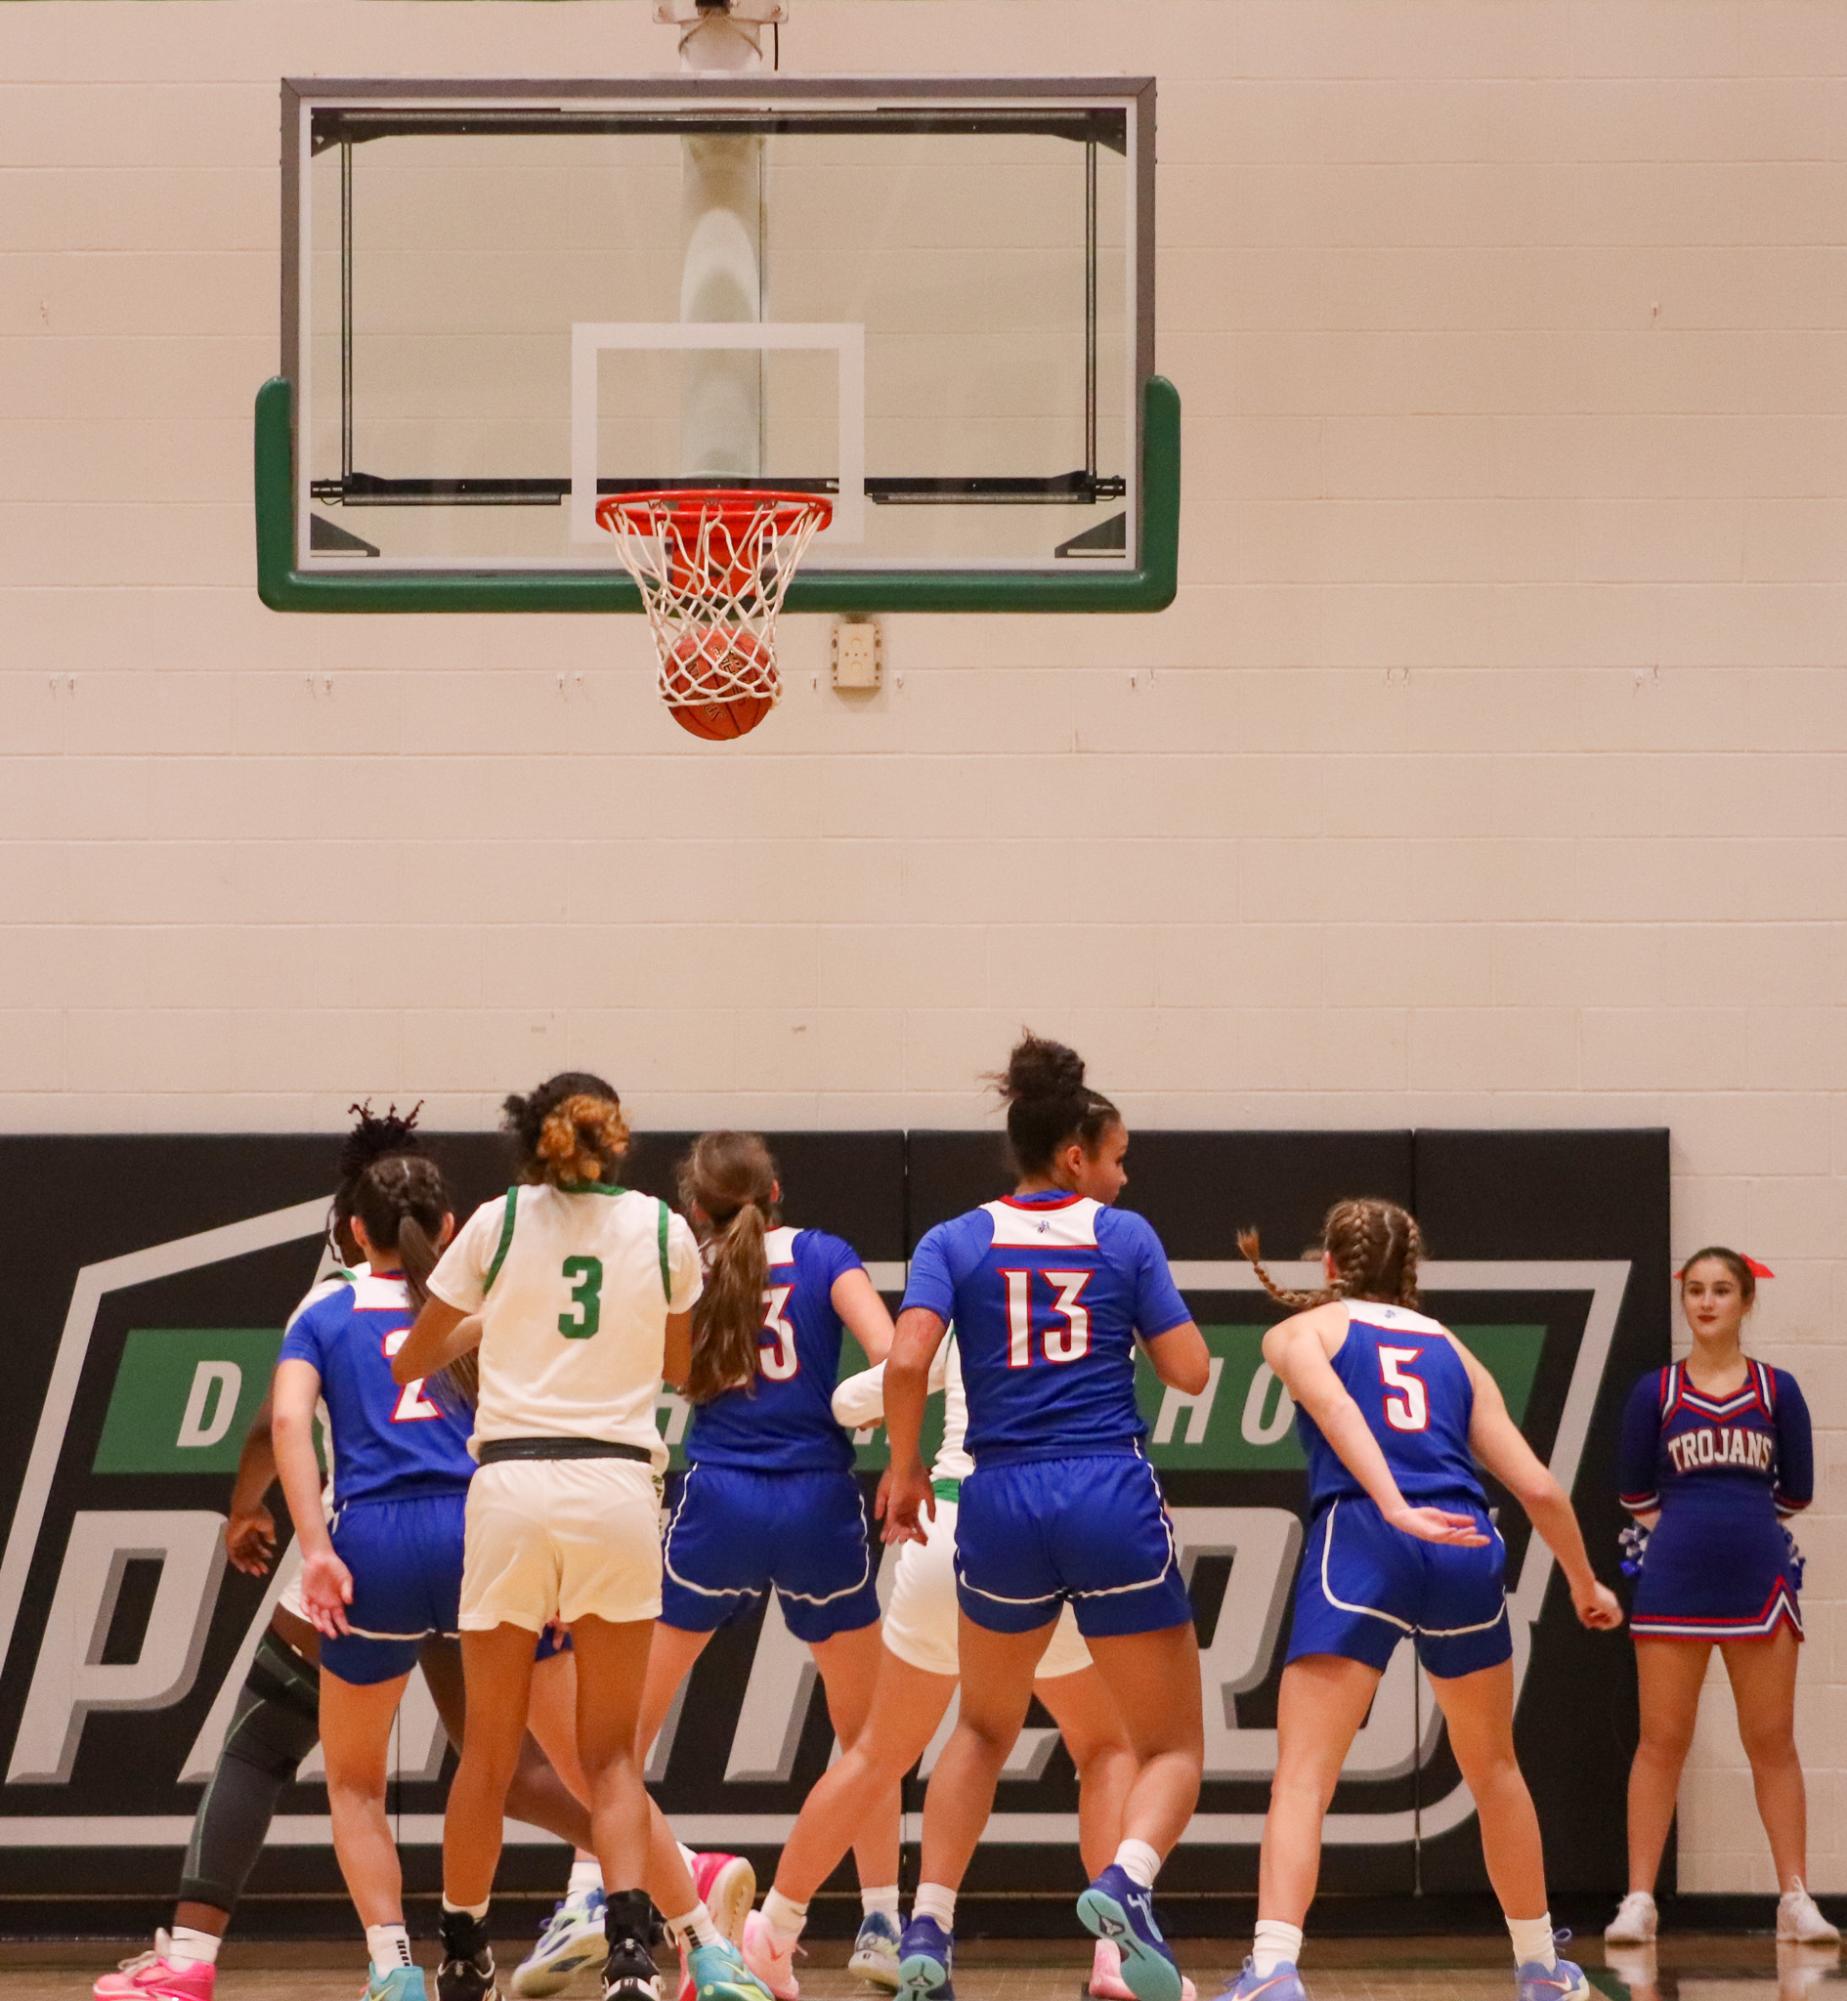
1047,1293
784,1421
389,1439
1416,1396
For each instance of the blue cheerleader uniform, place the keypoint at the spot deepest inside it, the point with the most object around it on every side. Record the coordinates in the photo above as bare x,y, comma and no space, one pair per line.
1723,1473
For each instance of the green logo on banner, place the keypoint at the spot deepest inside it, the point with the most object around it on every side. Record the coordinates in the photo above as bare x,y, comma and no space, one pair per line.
183,1398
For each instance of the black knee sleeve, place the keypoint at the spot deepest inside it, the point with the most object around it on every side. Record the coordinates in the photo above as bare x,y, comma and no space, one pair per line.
275,1725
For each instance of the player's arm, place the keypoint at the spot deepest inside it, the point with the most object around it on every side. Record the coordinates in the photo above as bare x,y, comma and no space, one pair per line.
1496,1441
1293,1349
441,1334
859,1401
250,1531
1181,1358
904,1493
862,1312
326,1583
677,1354
1795,1448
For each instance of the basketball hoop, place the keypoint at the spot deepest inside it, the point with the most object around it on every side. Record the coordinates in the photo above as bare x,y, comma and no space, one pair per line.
712,565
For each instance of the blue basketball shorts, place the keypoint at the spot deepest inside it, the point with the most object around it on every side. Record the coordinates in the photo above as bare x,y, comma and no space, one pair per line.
1364,1586
406,1560
733,1534
1091,1530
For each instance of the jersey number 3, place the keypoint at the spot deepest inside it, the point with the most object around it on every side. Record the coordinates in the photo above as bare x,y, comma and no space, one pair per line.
1407,1403
1058,1342
585,1315
776,1356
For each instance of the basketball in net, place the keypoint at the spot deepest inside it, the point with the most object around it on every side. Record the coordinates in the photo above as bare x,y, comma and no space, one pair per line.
712,565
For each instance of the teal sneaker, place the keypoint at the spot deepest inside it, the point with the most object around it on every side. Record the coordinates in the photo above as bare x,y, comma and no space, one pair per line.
402,1983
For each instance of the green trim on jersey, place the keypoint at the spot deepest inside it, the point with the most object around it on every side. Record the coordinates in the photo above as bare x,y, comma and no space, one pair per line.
590,1188
946,1489
666,1268
505,1244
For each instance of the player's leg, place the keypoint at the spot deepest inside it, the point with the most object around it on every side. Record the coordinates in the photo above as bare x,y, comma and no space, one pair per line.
543,1791
497,1669
1478,1712
907,1705
997,1686
849,1668
1091,1725
356,1720
1763,1679
275,1724
1356,1596
1669,1675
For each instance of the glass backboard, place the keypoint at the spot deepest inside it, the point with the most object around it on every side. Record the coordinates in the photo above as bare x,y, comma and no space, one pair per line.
931,301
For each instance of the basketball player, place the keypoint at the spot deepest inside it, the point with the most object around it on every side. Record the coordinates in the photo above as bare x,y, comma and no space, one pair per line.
769,1498
385,1575
1050,1289
1393,1413
276,1722
578,1292
917,1677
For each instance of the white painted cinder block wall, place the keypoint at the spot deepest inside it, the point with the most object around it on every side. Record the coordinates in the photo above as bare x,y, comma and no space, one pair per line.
1489,770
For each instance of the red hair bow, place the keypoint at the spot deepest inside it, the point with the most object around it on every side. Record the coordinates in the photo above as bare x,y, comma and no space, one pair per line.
1750,1264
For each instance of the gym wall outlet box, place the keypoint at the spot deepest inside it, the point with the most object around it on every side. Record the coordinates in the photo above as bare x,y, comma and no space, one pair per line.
859,653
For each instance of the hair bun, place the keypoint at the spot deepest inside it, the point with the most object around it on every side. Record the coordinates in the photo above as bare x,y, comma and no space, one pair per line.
1041,1069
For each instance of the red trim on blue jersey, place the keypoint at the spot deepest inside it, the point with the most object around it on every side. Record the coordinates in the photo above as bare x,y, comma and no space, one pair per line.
1779,1609
1040,1202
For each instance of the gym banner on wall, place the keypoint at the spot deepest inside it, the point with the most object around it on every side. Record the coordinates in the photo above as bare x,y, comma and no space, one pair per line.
148,1281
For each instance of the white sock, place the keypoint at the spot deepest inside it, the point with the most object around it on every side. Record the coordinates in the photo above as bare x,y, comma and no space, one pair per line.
695,1927
586,1875
687,1855
883,1902
1138,1862
187,1947
1532,1939
1276,1944
389,1946
785,1917
465,1910
935,1900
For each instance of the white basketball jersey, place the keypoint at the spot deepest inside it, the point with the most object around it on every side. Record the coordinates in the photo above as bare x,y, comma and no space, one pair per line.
574,1289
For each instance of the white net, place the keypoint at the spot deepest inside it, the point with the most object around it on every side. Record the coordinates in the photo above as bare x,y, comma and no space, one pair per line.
712,568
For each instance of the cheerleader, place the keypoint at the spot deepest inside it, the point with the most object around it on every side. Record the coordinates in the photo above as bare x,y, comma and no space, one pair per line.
579,1293
1716,1455
1393,1413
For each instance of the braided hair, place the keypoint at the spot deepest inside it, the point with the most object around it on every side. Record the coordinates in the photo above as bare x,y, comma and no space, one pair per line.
404,1203
1376,1247
375,1136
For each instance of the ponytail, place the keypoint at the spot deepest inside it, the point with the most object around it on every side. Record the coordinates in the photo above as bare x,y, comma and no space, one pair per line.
728,1189
403,1201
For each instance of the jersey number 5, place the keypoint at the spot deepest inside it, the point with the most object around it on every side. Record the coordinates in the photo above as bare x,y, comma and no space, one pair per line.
1407,1404
1058,1343
585,1277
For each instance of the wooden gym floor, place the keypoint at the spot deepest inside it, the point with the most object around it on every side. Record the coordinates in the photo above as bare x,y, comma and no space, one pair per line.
1689,1968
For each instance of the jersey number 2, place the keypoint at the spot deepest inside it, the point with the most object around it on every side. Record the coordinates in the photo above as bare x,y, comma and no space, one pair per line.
412,1406
585,1276
1407,1403
1057,1343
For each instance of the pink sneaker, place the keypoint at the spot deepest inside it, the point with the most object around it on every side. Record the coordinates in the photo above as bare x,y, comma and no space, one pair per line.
1107,1983
774,1965
727,1886
152,1976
